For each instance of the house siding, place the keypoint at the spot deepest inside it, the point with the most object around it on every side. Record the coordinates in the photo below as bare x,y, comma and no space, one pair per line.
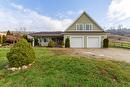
86,20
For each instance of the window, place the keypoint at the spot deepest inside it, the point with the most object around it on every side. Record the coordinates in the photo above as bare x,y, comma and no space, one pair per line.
86,27
45,40
81,26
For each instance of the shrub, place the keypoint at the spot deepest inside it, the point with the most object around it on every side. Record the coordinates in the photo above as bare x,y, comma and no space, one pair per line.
67,43
62,44
51,44
21,54
105,43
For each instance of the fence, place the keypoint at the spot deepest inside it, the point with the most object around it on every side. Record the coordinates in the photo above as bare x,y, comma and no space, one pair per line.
119,44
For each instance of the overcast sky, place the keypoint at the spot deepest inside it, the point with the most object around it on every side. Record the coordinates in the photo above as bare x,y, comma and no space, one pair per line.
57,15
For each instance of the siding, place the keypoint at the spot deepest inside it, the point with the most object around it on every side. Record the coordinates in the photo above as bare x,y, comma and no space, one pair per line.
84,19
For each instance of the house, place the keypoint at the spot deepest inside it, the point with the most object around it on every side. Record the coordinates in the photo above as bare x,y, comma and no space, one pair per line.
45,37
1,37
1,34
83,33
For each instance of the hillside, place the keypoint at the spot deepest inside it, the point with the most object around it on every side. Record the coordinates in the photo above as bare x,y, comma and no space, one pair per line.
122,32
114,37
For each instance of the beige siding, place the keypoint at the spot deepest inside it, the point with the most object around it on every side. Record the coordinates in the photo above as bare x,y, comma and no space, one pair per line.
84,19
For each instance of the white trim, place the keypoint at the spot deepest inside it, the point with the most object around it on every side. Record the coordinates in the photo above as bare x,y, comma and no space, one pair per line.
100,42
33,42
75,37
76,27
90,26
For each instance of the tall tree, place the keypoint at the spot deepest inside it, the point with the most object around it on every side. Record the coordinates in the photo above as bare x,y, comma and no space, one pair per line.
8,33
4,39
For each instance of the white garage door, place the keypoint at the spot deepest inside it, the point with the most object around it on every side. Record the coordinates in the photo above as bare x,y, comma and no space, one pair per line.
93,42
77,42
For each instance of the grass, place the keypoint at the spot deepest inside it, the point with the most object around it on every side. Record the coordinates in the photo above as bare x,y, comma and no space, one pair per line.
61,70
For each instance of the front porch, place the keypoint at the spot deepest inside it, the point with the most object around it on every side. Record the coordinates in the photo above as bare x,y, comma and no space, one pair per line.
43,41
43,38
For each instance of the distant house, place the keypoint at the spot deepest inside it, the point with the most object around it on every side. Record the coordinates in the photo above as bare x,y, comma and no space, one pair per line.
1,34
1,37
83,33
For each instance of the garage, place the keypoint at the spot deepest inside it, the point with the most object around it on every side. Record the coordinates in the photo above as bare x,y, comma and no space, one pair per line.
93,42
77,42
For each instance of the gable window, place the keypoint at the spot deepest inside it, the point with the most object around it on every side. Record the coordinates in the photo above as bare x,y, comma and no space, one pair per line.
84,27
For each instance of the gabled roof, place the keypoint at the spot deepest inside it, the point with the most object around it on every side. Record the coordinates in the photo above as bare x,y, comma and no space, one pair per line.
84,13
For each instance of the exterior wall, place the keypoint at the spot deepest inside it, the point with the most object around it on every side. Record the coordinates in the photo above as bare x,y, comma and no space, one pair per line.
84,19
41,41
103,36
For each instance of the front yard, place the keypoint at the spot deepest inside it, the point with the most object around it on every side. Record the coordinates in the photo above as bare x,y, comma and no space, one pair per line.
56,68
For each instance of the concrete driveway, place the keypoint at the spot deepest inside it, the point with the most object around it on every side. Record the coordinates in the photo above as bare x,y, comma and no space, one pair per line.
109,53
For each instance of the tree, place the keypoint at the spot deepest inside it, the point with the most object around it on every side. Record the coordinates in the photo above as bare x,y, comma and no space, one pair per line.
11,39
3,39
0,39
120,26
105,43
67,43
21,54
8,33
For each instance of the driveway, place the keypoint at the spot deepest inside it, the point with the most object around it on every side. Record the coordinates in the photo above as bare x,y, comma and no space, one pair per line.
109,53
117,54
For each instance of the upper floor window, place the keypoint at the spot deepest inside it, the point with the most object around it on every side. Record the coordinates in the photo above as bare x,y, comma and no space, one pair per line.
84,27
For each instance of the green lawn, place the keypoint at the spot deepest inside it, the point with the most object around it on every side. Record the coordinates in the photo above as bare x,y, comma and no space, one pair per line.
61,70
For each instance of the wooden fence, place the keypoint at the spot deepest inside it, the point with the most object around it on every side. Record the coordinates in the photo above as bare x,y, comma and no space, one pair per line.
119,44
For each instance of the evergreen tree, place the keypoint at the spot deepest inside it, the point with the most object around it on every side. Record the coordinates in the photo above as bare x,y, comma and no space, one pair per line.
67,43
8,33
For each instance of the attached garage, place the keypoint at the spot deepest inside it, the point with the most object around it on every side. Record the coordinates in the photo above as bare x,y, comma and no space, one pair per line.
80,41
77,41
93,42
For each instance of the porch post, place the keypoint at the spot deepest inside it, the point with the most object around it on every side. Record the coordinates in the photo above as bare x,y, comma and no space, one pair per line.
33,42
